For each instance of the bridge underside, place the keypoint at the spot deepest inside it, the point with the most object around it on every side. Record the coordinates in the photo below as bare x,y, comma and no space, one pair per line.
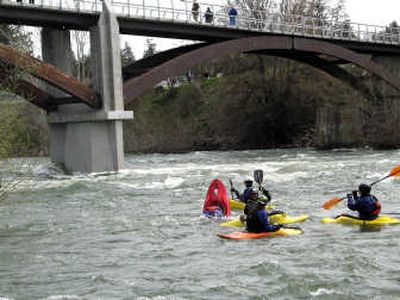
146,73
150,71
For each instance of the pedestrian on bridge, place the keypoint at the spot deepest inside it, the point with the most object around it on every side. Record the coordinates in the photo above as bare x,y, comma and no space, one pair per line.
232,16
195,10
209,15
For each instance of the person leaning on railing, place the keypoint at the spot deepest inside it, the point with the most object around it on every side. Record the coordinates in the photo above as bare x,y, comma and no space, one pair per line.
209,15
232,16
195,10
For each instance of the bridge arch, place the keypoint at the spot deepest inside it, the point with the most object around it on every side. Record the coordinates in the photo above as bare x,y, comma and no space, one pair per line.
280,45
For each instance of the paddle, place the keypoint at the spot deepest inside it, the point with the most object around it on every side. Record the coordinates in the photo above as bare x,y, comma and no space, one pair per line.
332,202
230,182
258,176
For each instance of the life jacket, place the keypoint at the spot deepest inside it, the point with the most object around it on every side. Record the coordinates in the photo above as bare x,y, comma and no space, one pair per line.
378,208
217,198
253,223
245,196
368,207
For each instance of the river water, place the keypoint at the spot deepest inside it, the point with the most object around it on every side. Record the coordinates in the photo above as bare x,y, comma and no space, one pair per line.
138,234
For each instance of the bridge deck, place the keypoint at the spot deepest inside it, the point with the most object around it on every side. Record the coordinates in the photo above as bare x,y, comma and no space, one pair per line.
145,18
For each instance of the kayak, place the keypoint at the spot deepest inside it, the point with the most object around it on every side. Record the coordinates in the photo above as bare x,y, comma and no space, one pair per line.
274,219
243,235
348,220
239,205
217,200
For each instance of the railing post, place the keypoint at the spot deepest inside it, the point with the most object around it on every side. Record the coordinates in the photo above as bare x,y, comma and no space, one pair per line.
186,12
158,7
173,10
144,7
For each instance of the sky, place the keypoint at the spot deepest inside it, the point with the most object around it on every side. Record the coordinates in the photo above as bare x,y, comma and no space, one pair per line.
372,12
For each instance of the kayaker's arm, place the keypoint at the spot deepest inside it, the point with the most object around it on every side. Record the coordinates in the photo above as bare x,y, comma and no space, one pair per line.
236,192
352,201
265,193
267,227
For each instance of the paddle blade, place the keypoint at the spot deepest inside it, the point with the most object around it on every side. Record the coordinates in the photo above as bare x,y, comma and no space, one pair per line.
331,203
395,171
258,176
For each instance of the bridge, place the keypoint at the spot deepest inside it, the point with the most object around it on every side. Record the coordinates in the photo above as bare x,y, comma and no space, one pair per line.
86,121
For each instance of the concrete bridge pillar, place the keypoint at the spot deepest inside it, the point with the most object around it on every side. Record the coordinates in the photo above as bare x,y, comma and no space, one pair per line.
84,139
384,111
56,50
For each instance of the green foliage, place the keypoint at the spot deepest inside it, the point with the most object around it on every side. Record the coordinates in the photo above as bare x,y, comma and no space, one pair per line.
250,107
15,36
150,49
20,135
127,55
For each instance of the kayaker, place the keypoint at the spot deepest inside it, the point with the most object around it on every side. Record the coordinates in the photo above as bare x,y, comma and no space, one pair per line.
245,195
257,216
367,205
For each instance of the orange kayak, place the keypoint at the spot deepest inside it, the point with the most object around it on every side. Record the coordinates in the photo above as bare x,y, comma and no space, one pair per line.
244,235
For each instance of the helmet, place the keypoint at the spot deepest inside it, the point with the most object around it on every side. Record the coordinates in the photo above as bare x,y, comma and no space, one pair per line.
248,182
364,189
253,194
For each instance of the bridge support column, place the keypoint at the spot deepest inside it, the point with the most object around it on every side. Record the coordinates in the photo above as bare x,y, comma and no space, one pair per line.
90,140
56,50
384,111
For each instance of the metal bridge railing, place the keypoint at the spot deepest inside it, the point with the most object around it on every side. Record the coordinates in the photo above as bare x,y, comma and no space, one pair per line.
261,21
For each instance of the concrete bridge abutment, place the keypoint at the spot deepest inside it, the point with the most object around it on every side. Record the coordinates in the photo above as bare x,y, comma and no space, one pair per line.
85,139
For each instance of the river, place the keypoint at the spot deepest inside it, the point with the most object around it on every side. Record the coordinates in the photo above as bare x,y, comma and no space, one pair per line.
138,234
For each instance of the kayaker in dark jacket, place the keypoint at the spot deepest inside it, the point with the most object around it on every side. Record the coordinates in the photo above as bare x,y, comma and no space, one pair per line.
367,205
257,216
245,195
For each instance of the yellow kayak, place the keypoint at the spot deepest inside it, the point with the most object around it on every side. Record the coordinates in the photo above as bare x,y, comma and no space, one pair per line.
239,205
243,235
348,220
274,219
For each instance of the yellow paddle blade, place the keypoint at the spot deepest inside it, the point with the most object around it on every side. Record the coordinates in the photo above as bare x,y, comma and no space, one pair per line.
395,171
331,203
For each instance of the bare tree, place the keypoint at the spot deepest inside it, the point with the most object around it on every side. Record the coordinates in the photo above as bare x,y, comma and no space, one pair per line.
337,13
82,43
293,7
